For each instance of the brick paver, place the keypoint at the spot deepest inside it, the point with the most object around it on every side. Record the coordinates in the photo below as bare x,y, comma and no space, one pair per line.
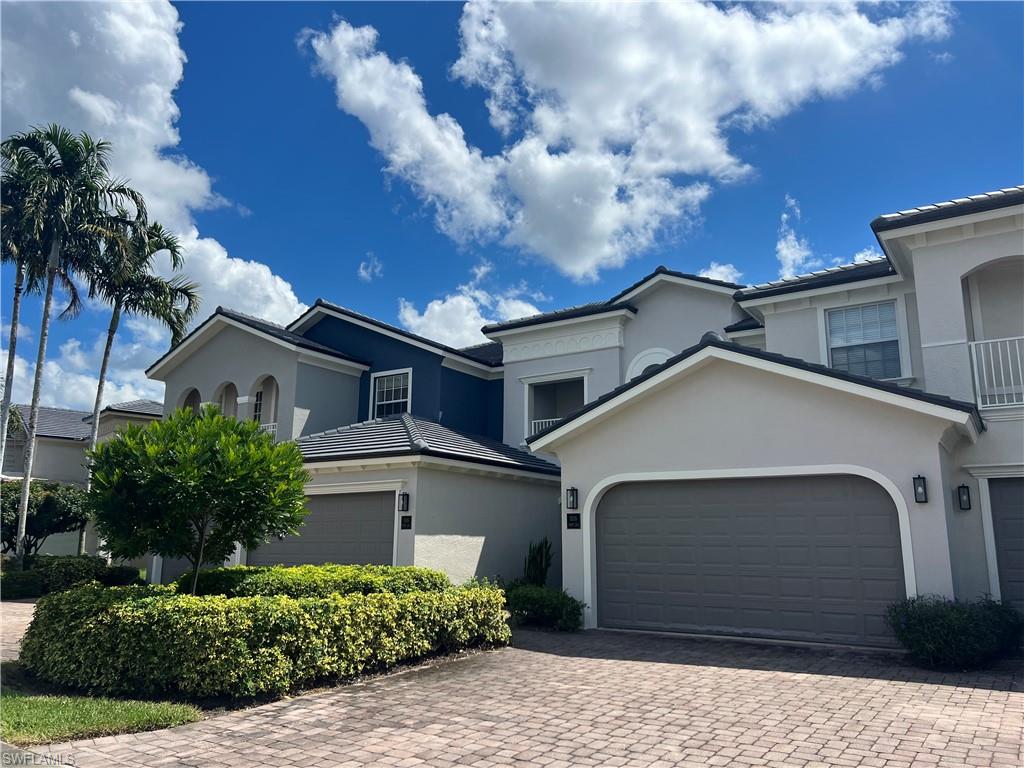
15,616
612,699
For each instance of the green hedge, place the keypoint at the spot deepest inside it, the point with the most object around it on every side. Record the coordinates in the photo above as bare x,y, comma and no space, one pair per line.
314,580
544,607
951,634
15,585
148,640
55,573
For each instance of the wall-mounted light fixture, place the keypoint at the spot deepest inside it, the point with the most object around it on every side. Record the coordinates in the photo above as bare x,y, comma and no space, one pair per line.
572,498
920,490
963,496
403,501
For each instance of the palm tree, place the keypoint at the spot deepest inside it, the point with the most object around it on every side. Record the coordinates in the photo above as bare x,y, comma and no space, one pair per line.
68,199
124,278
21,248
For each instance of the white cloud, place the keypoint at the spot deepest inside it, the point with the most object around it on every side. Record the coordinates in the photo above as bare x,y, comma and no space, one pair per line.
726,272
456,319
793,252
24,334
371,268
614,114
116,79
866,254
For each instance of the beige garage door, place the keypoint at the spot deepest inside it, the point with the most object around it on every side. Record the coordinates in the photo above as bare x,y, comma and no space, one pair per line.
810,558
341,528
1007,496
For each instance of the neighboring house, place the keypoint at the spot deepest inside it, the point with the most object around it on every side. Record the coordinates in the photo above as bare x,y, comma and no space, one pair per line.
837,441
62,437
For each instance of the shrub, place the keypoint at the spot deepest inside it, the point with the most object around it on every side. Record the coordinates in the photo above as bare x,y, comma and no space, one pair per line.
150,640
120,576
544,607
52,508
951,634
315,580
60,572
538,562
19,584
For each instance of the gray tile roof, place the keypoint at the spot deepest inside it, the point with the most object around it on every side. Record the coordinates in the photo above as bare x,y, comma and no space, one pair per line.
961,206
406,435
568,313
746,324
59,422
839,275
489,353
142,407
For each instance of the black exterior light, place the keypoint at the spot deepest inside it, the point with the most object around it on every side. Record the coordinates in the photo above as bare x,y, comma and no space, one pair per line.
920,490
963,495
572,498
403,501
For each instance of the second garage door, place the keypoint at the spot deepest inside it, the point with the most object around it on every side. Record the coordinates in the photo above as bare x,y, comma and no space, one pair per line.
340,528
809,558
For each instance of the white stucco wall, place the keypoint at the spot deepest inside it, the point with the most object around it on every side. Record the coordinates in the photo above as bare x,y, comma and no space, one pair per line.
726,417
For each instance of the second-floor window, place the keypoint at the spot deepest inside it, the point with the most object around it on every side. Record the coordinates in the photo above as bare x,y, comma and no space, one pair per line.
391,394
863,340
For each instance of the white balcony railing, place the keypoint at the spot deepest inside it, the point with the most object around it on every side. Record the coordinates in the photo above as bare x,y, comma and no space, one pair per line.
541,424
270,429
998,366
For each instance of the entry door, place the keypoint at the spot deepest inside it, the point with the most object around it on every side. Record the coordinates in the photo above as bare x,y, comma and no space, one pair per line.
1007,498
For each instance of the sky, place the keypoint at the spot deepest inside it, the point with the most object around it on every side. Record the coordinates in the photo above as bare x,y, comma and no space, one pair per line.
440,166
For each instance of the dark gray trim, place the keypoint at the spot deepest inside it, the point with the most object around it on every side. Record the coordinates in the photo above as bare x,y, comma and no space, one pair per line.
663,270
773,357
839,276
570,313
746,324
990,201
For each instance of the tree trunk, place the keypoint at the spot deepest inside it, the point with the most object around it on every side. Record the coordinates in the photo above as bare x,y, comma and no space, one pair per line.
5,409
197,564
37,385
115,319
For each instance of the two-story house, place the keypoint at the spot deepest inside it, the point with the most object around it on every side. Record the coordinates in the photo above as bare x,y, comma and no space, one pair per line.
779,460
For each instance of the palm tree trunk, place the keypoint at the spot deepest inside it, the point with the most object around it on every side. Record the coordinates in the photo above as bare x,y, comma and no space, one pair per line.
5,410
37,385
115,319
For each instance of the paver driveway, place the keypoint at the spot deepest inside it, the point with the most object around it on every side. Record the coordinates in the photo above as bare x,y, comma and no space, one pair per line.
609,699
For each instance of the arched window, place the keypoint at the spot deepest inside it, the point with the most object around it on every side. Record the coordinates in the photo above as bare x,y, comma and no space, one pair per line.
192,400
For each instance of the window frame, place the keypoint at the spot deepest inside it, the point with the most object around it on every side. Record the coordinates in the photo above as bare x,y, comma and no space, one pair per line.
902,338
371,410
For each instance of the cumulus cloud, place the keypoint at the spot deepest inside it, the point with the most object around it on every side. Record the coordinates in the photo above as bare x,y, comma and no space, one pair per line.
867,254
615,116
111,69
371,268
456,319
793,251
725,272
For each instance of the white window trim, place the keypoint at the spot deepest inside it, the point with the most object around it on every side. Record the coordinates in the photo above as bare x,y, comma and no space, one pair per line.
902,331
370,410
983,473
653,356
548,378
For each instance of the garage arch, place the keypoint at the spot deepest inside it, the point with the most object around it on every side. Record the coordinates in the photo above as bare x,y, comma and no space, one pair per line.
589,517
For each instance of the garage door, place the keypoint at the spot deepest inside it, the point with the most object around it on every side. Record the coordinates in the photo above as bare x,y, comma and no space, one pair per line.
1007,497
341,528
811,558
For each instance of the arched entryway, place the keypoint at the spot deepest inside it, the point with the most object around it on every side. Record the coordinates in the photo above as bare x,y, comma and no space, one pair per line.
191,400
263,400
227,399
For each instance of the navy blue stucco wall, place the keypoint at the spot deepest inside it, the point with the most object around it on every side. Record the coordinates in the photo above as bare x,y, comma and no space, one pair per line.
451,397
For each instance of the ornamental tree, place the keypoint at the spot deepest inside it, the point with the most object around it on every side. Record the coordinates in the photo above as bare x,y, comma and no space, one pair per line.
193,486
52,508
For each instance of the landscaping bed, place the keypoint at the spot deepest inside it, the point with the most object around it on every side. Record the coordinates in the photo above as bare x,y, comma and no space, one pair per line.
44,574
154,641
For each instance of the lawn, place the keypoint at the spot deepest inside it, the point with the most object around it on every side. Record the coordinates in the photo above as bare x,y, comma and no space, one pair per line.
29,716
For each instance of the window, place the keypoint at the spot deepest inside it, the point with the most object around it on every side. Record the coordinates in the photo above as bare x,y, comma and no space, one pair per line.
863,340
257,408
391,393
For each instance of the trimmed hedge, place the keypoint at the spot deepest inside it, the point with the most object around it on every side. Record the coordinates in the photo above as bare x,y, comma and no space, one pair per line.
314,580
20,584
951,634
531,605
150,641
55,573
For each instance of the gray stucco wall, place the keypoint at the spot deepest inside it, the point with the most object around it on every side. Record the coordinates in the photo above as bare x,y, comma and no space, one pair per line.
61,461
323,399
1000,289
727,417
674,317
482,526
794,333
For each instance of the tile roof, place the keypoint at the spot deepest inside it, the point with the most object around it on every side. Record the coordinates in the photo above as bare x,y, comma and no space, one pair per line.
474,353
489,352
59,422
406,435
713,340
663,270
961,206
840,275
746,324
581,310
142,407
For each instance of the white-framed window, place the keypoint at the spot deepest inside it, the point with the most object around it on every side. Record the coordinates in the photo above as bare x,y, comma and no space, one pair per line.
390,393
864,340
257,407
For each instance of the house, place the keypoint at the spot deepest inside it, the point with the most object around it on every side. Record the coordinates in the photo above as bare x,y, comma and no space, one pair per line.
779,460
62,437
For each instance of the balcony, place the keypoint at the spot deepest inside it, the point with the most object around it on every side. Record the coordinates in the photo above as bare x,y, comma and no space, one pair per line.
270,429
539,425
998,366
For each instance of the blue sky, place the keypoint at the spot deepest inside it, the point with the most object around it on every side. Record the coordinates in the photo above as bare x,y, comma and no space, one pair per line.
265,166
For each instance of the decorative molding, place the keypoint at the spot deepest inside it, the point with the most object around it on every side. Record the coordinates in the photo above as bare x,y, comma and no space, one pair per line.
605,337
649,357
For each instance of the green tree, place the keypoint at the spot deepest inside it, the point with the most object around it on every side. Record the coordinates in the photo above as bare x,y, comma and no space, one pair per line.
194,485
53,508
125,279
70,200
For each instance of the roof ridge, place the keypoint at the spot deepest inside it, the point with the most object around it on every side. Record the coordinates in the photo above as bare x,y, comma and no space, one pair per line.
413,430
50,407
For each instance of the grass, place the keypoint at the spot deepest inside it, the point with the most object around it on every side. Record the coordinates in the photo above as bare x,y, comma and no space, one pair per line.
32,716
